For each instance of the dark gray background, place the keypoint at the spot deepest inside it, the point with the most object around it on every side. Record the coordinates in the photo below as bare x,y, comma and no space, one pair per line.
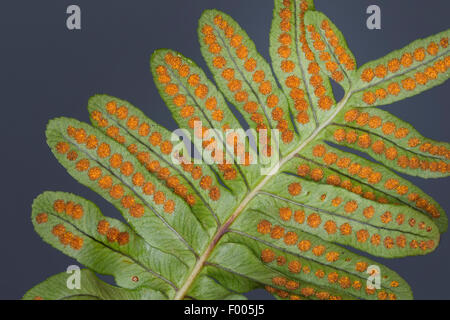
48,71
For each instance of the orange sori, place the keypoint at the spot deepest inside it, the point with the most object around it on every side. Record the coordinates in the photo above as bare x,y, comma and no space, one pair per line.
343,57
201,92
242,96
353,168
405,61
41,218
313,69
67,237
98,117
267,255
391,153
71,209
126,168
112,234
389,128
144,158
292,82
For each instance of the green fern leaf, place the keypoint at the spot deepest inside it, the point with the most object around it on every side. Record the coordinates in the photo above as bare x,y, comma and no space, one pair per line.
91,288
419,66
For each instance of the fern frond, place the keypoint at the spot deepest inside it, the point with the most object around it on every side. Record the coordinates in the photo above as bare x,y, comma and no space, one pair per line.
213,225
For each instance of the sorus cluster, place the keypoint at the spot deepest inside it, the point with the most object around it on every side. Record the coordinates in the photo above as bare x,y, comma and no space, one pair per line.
366,173
70,208
305,291
424,204
390,129
284,282
352,167
133,123
318,174
205,181
294,266
367,141
112,234
264,86
292,285
316,80
345,59
66,237
237,144
293,83
41,218
314,220
333,278
291,238
313,71
152,165
324,101
372,176
126,168
201,92
402,64
390,242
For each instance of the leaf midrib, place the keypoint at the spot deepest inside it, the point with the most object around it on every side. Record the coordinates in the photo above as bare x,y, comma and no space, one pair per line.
181,293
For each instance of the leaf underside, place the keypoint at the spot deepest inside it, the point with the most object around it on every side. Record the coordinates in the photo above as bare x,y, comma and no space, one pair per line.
212,229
